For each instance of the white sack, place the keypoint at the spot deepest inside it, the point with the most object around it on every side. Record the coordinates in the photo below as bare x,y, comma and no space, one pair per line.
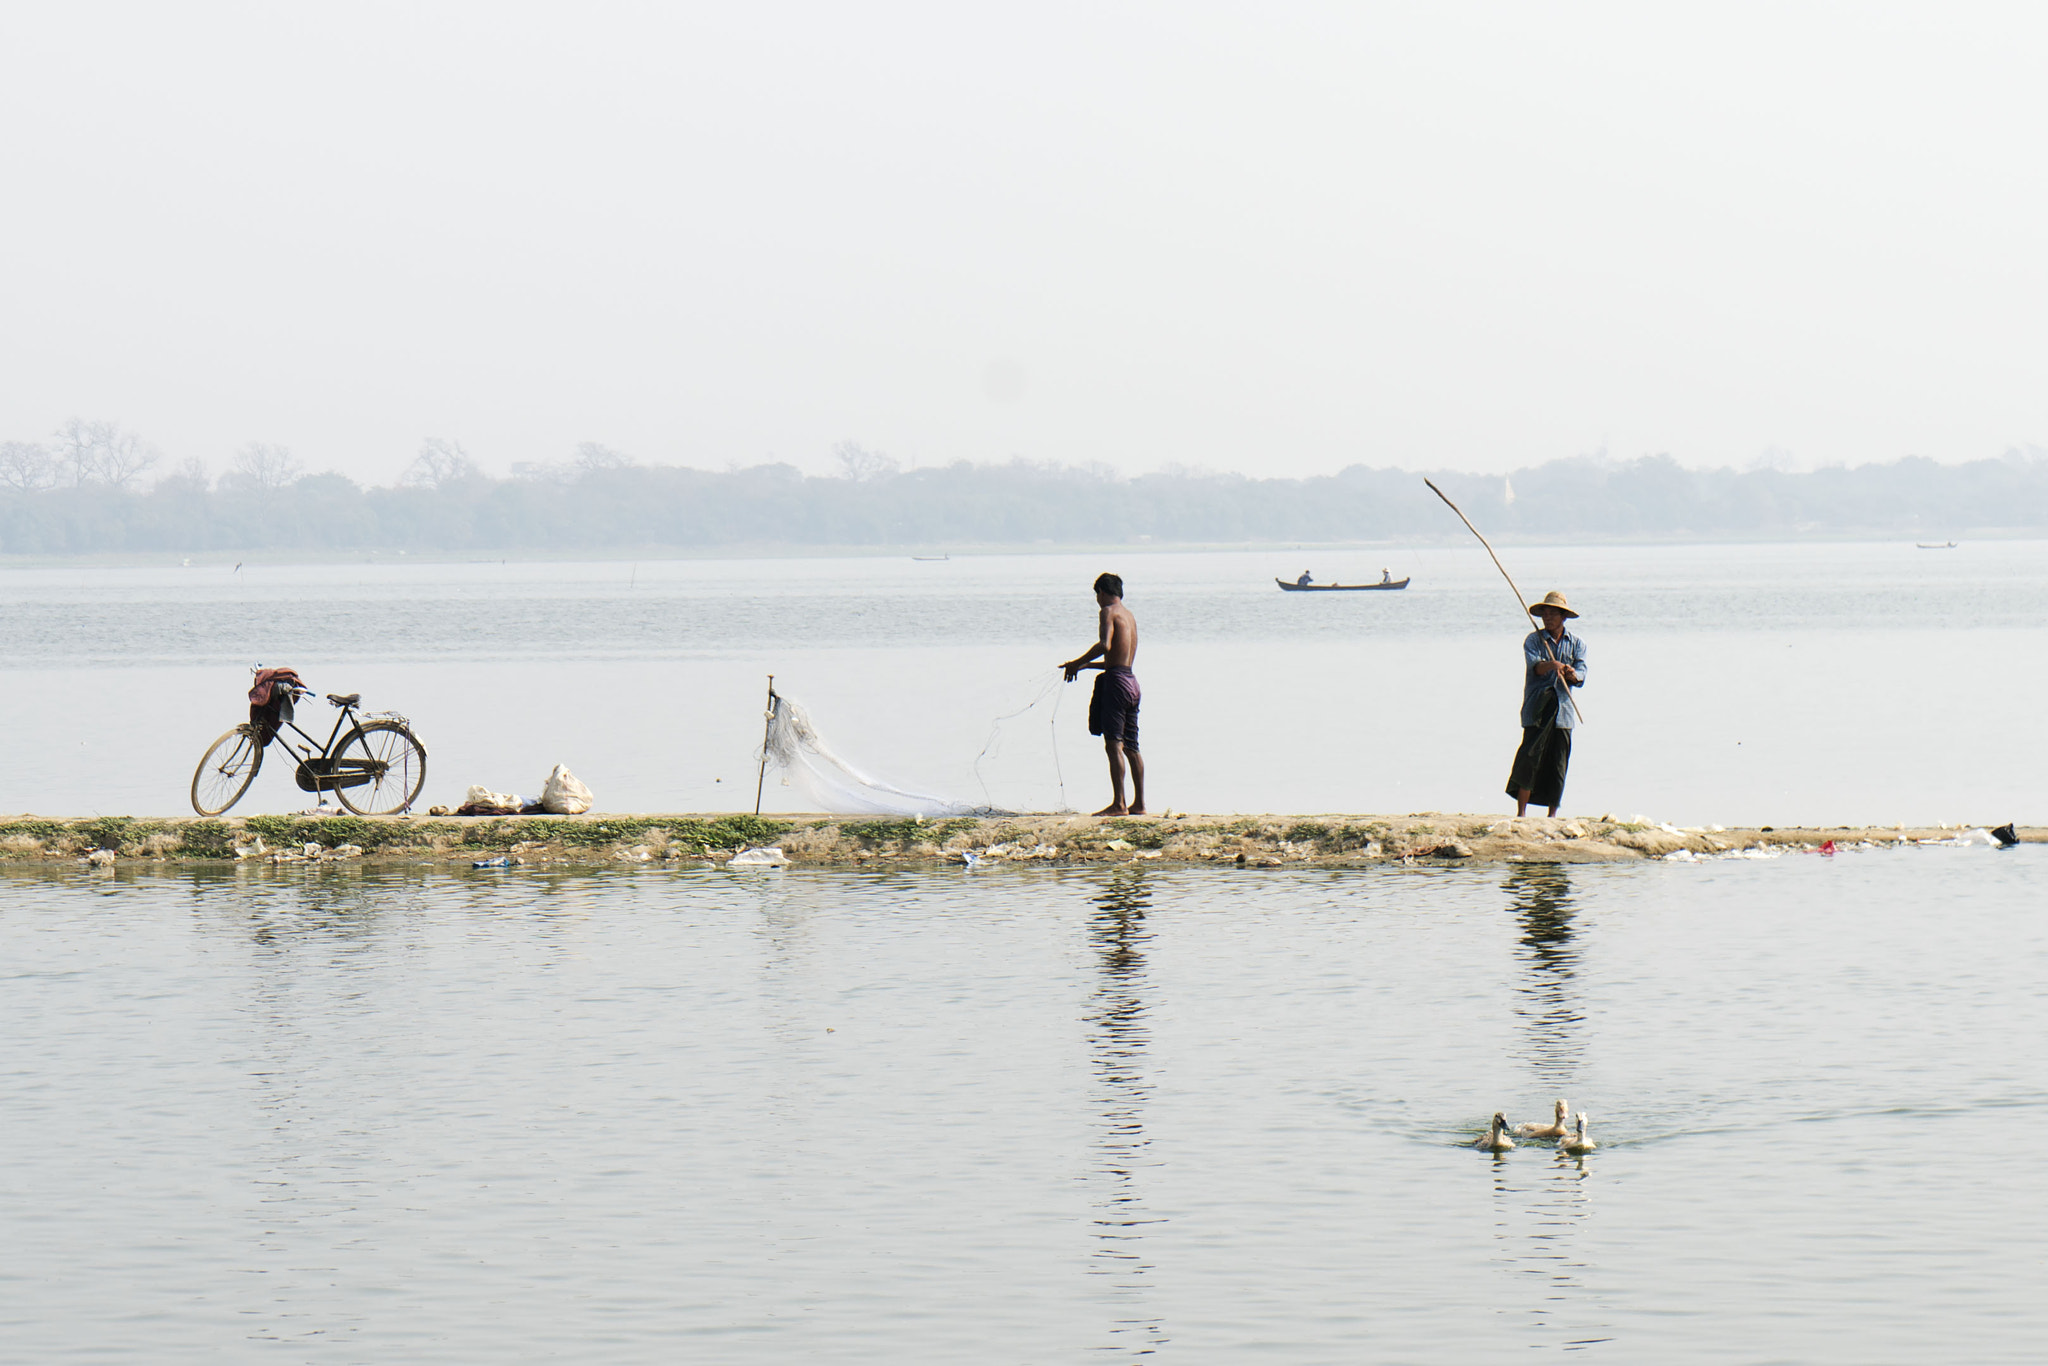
479,795
564,795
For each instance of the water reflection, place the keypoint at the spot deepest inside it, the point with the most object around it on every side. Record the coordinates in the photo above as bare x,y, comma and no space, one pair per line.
1118,1036
1540,896
1541,1211
1542,1208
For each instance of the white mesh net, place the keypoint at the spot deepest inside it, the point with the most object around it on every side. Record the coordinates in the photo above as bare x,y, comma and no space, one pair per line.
806,763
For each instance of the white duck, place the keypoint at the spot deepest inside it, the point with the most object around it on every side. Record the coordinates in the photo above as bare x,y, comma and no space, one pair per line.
1579,1142
1495,1139
1555,1129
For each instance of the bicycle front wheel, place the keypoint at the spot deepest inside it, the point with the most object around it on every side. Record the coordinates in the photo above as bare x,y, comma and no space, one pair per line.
380,768
225,771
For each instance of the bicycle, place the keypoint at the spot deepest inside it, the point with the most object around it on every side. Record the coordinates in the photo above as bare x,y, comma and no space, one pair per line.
376,769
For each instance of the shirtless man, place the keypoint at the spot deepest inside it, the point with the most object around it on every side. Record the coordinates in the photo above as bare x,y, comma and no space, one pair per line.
1113,711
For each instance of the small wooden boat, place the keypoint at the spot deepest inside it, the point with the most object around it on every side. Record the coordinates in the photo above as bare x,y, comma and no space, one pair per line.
1388,585
1936,545
931,559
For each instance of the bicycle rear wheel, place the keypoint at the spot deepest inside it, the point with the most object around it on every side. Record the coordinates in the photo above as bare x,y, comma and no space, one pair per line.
225,771
380,768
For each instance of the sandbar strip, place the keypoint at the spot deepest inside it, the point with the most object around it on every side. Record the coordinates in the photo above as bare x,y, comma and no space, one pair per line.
858,842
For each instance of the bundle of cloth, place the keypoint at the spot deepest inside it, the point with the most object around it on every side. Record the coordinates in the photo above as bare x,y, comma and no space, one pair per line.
270,701
481,801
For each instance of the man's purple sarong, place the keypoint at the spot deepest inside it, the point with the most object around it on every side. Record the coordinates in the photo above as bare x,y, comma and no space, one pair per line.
1113,710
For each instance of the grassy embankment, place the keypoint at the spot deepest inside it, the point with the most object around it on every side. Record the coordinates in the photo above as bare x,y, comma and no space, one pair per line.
1263,841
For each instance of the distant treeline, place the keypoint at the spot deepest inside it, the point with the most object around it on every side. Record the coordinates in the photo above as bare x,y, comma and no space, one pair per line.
603,501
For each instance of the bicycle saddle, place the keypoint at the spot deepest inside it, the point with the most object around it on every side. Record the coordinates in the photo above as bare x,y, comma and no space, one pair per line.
348,701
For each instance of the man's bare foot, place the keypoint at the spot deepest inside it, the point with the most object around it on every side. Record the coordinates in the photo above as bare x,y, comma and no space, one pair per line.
1135,811
1112,811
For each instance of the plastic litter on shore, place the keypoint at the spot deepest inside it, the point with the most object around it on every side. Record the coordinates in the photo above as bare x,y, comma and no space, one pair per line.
1753,852
770,856
1968,839
1020,850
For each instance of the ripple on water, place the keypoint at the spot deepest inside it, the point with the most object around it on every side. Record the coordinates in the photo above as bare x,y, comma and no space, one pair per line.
358,1113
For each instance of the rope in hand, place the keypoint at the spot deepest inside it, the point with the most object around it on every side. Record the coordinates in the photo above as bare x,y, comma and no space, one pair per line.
1048,682
1053,739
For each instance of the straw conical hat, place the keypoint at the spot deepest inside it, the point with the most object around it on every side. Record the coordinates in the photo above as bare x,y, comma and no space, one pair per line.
1551,599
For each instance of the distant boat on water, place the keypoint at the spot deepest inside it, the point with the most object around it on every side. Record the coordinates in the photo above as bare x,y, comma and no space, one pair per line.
1386,585
931,558
1936,545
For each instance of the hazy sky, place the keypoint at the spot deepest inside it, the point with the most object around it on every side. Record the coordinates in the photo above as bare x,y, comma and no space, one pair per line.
1273,238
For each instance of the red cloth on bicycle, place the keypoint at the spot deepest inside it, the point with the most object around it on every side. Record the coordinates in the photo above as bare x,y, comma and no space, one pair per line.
267,700
266,679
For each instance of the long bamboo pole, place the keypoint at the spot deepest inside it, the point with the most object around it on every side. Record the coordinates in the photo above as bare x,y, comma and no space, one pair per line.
767,730
1520,601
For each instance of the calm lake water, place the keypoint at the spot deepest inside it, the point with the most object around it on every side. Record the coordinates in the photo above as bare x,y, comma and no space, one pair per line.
358,1115
365,1115
1773,684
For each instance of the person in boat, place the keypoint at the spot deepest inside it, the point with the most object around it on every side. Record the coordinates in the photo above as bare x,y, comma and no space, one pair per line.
1304,580
1386,575
1553,663
1113,710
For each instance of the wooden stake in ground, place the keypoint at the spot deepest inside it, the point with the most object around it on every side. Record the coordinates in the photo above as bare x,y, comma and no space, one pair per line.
1520,601
767,730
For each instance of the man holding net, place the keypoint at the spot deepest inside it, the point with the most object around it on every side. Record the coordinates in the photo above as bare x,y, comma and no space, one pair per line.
1113,711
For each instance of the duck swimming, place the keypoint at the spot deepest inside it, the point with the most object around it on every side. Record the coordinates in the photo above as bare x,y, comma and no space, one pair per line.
1578,1142
1495,1139
1555,1129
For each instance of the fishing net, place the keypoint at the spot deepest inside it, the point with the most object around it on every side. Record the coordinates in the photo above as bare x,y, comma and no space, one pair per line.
1010,759
796,750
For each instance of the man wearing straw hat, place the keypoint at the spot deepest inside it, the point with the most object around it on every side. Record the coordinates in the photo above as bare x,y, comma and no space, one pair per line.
1554,662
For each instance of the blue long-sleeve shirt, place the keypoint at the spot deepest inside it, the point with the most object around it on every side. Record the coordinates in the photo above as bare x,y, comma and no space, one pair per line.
1570,650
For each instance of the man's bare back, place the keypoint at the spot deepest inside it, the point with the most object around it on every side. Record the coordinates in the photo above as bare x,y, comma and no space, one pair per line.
1119,635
